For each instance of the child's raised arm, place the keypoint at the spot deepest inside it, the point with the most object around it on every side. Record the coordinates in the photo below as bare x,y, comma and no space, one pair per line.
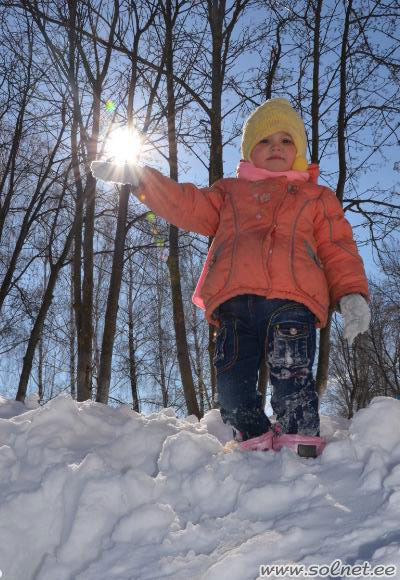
181,204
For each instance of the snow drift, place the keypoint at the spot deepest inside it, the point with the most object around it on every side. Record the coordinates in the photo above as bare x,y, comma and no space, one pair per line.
89,492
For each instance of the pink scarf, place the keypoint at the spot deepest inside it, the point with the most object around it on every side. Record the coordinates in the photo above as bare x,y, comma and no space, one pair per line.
246,170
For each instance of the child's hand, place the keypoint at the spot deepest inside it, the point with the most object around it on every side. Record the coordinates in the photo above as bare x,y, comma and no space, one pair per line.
356,315
116,172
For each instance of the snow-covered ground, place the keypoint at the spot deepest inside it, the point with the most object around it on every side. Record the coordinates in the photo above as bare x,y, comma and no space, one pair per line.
89,492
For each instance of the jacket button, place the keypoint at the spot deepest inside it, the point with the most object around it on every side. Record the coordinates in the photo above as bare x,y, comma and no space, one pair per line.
258,216
270,251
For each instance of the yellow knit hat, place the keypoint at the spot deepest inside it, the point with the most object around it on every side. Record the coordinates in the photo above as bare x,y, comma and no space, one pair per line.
272,116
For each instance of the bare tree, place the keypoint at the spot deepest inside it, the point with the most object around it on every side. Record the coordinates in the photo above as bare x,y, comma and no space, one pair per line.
170,18
110,321
371,366
55,265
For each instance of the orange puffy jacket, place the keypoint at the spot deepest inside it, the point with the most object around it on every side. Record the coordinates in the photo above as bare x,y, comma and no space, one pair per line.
273,238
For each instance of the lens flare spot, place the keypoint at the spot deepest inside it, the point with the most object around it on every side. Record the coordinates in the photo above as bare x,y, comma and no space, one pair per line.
110,106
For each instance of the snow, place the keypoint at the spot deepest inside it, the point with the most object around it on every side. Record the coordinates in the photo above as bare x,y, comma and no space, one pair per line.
89,492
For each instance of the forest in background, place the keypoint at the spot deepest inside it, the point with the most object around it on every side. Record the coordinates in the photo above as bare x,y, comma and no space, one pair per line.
95,290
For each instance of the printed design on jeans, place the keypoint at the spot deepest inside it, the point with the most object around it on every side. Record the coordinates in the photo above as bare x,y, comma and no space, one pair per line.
226,346
297,412
219,344
300,374
289,345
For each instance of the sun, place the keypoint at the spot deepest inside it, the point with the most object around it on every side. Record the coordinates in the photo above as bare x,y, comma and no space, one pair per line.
123,145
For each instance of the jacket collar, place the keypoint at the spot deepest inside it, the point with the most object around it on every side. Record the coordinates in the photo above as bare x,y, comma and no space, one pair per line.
246,170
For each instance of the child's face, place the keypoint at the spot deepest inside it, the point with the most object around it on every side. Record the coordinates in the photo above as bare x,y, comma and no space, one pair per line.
276,152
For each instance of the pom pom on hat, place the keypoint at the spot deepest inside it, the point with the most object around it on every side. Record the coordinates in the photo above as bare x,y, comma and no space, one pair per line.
270,117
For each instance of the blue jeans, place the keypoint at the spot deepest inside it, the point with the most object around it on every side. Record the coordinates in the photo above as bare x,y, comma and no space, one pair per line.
285,331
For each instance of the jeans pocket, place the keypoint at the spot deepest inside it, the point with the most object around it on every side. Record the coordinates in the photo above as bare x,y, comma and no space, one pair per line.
290,348
226,346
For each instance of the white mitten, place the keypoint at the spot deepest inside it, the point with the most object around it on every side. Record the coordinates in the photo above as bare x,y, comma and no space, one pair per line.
356,315
116,172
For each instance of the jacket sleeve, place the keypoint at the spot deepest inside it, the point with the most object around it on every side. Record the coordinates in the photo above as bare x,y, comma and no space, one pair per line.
182,204
337,250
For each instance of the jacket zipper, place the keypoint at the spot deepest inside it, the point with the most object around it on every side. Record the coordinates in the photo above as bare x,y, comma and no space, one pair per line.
234,249
271,231
294,228
215,256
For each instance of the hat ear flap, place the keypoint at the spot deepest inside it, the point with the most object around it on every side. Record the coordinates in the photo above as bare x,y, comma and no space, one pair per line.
300,164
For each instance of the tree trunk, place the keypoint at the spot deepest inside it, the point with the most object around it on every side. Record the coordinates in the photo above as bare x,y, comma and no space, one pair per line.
324,341
131,345
216,12
72,377
160,352
173,258
40,369
179,325
77,261
321,379
96,80
342,107
110,320
315,88
82,385
85,352
203,394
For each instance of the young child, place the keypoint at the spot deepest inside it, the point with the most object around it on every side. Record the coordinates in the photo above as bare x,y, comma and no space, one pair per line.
282,254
